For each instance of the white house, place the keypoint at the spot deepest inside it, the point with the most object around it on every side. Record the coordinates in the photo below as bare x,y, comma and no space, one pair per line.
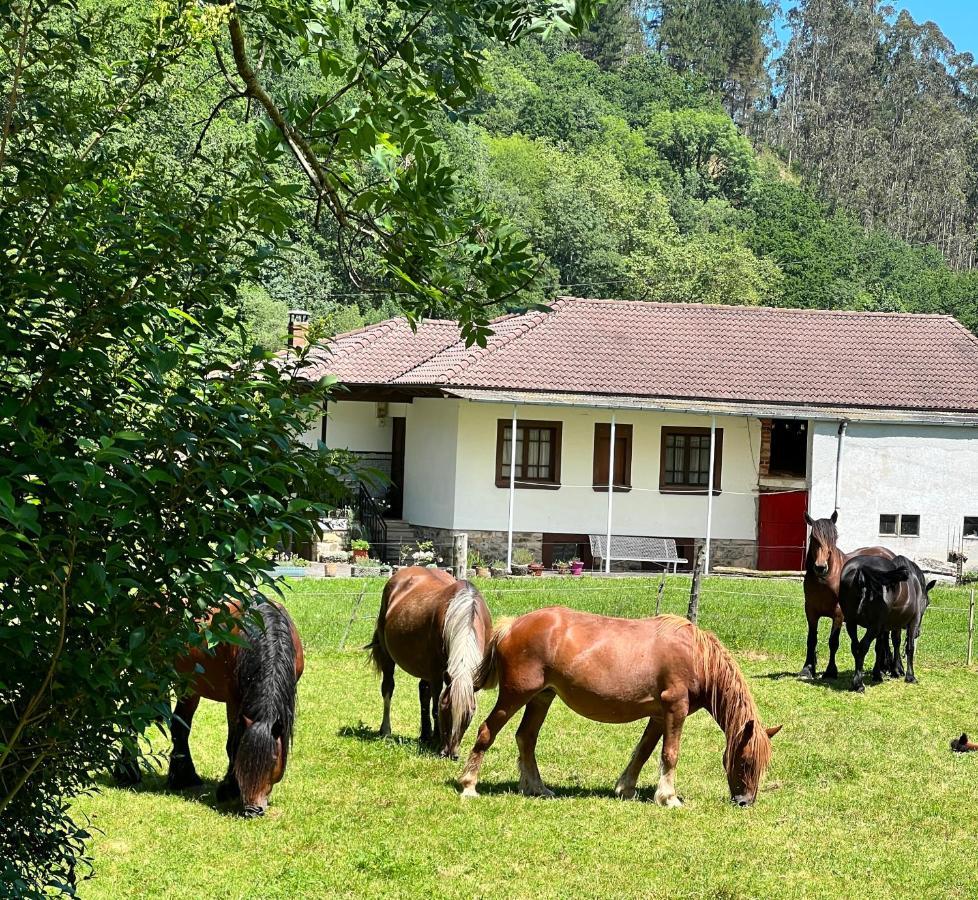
875,414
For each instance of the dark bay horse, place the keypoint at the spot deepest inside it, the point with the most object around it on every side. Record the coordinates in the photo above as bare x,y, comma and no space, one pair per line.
257,683
823,567
884,597
620,670
436,629
963,745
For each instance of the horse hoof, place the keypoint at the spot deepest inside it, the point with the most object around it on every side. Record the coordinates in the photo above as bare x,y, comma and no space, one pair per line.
469,792
859,688
807,673
910,679
625,793
672,802
185,782
830,674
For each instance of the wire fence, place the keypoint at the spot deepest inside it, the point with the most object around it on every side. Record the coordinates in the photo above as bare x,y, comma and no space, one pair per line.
750,615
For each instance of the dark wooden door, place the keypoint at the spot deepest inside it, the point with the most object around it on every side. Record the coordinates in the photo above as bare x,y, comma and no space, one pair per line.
395,496
781,531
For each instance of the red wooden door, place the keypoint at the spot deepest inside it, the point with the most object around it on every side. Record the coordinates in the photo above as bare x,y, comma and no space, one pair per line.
781,531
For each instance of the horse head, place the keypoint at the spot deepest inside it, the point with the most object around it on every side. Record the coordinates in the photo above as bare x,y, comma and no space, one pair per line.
745,759
821,544
259,763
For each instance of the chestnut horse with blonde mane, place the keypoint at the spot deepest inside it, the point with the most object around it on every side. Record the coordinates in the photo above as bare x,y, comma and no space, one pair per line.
823,572
436,629
619,670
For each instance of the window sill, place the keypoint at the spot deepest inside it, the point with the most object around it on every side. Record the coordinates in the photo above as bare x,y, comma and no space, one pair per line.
619,488
542,486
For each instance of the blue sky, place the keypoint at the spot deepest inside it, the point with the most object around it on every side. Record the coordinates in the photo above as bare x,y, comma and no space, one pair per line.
958,19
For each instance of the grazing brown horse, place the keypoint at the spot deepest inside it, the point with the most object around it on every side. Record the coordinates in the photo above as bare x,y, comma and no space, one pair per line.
823,569
620,670
257,682
436,629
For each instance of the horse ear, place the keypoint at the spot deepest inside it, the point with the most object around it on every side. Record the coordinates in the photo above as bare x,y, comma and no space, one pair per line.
835,516
773,730
809,520
247,722
930,586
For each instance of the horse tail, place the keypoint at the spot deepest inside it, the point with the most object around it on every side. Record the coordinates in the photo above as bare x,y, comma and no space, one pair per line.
464,655
376,648
266,679
487,675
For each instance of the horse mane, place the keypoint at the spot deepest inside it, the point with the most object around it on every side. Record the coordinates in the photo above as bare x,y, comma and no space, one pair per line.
265,673
729,700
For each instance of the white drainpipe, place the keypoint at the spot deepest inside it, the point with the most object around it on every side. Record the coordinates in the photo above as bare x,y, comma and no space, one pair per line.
611,493
838,459
709,496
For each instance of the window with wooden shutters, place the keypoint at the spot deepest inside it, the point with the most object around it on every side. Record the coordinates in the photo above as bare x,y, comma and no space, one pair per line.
537,454
623,456
684,461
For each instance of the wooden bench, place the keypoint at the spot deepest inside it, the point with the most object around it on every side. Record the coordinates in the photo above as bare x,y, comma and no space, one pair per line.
637,549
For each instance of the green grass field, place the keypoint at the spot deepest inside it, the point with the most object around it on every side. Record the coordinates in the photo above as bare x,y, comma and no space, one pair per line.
863,798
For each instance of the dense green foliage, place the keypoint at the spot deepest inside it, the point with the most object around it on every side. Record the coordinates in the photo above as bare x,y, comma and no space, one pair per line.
619,160
149,453
360,817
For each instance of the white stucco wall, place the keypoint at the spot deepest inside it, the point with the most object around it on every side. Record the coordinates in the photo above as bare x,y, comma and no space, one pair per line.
927,470
575,506
353,425
430,462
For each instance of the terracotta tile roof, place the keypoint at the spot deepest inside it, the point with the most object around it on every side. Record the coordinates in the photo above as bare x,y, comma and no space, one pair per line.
681,350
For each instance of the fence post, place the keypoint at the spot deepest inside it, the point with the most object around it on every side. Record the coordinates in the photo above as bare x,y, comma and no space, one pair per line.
694,593
460,555
971,625
658,596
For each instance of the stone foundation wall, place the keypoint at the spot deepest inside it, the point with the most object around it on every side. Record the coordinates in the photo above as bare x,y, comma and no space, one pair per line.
723,552
491,545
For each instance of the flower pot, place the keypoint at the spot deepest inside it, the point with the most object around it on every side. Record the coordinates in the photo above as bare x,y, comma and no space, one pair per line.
562,570
482,572
577,568
520,570
361,554
536,569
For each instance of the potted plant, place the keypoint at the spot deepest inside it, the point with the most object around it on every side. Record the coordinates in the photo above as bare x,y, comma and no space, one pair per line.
497,569
336,562
425,555
290,566
522,559
479,565
360,548
562,567
368,568
576,566
536,568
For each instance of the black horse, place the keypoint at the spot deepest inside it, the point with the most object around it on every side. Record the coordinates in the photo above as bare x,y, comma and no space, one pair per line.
871,595
913,594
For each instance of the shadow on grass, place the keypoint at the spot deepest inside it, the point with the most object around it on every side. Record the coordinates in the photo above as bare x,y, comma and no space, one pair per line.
367,735
496,788
155,783
842,684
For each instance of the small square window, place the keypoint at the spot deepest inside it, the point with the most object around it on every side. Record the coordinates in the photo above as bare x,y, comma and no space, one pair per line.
971,526
906,525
